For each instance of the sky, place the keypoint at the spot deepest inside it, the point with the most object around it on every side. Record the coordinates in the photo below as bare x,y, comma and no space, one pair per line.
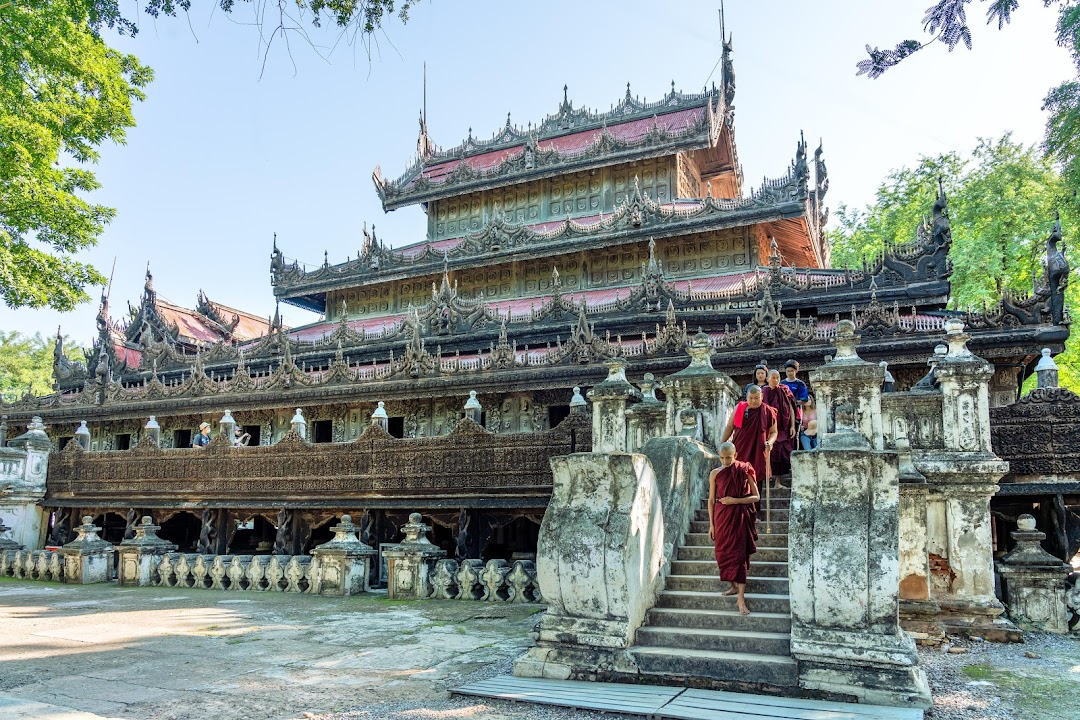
227,152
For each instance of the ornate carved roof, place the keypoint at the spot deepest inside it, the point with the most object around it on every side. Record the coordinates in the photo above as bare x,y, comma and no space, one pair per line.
570,139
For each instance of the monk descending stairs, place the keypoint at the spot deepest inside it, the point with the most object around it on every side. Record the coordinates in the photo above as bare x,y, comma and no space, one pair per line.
694,631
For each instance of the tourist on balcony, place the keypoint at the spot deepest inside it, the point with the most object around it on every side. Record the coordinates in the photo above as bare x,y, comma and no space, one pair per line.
240,438
202,439
732,521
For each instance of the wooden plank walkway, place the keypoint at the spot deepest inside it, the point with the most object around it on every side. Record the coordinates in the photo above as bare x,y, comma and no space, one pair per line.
673,703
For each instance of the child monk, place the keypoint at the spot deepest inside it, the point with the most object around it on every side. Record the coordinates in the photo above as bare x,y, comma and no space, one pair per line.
732,519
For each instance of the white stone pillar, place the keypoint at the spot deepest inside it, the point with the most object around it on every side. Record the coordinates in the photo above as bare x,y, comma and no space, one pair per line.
87,558
138,556
344,563
845,545
24,465
700,387
609,400
1033,581
411,563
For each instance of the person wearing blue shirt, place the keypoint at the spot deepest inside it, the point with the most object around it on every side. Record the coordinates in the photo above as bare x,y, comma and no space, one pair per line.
203,438
794,384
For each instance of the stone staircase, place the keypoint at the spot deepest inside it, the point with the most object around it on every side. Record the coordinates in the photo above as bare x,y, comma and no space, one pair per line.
695,632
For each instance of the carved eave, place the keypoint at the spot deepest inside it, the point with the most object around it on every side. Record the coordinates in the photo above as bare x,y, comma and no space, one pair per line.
527,154
777,200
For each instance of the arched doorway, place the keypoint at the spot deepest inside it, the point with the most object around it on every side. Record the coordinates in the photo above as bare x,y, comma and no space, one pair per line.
254,536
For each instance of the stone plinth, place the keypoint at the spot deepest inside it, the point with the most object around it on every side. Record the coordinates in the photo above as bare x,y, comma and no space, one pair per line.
700,387
647,419
1033,581
844,547
609,400
599,554
139,556
411,563
344,563
24,465
87,558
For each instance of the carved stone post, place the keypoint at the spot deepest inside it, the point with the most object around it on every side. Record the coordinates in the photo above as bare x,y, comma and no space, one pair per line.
344,562
153,431
918,611
412,561
24,466
87,558
1034,581
647,419
609,408
82,436
700,387
7,543
844,545
1003,386
962,478
138,556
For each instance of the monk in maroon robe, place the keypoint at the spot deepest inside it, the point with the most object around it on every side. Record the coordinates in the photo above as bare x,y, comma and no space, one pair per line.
777,396
752,428
732,495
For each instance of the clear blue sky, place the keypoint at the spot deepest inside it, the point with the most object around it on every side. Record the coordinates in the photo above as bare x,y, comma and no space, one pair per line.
221,158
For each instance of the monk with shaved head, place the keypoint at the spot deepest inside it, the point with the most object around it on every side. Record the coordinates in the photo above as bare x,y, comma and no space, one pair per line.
732,521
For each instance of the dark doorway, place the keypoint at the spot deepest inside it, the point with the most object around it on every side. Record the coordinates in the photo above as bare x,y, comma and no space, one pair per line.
181,438
182,529
556,414
514,541
396,427
322,534
323,432
255,432
123,442
254,536
113,526
62,442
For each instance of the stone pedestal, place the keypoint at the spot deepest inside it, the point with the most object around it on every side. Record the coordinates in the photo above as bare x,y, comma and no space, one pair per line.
1033,582
411,563
138,556
647,419
344,563
87,558
844,545
24,463
609,400
702,388
918,611
6,543
961,479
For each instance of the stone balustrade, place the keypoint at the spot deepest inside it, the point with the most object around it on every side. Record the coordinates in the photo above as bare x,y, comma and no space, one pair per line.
258,573
496,581
32,564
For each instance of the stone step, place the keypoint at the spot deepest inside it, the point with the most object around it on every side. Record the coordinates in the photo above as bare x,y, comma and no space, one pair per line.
775,502
746,641
773,540
723,666
720,620
766,585
696,600
706,552
776,526
775,513
707,568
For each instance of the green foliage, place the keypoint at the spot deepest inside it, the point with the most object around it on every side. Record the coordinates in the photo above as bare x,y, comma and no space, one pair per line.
63,93
1002,202
26,362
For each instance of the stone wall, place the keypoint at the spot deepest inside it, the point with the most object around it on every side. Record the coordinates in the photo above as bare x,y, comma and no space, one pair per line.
24,465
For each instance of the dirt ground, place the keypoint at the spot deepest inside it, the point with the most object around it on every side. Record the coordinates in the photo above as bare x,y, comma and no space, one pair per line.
169,653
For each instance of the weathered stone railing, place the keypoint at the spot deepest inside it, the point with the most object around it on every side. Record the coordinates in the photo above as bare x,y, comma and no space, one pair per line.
32,564
496,581
258,573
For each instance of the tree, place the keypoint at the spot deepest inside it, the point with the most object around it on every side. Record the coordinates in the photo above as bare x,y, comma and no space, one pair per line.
63,93
1002,204
26,364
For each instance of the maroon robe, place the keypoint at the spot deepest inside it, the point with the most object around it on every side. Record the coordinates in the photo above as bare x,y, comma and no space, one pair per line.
750,439
734,525
781,399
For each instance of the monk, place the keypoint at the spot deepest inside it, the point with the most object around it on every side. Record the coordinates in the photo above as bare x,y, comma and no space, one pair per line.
752,428
732,494
779,397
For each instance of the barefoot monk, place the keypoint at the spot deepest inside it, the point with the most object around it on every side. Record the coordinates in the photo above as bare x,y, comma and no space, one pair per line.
732,494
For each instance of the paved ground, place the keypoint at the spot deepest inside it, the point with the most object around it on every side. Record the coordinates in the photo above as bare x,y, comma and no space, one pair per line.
168,653
88,652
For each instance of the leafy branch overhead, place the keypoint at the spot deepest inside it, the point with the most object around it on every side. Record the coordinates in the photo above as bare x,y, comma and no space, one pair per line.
947,22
